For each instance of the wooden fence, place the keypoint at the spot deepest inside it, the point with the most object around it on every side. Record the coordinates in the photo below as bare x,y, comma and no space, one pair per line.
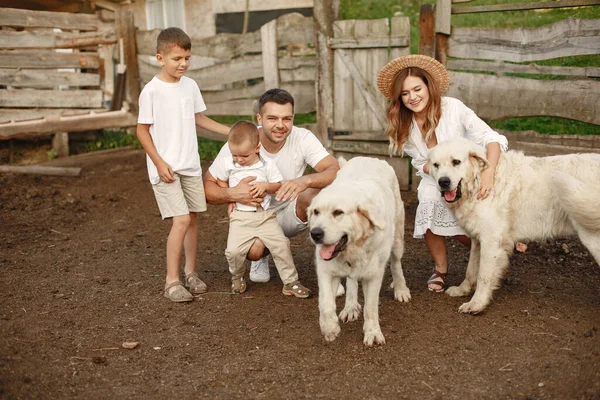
484,74
56,73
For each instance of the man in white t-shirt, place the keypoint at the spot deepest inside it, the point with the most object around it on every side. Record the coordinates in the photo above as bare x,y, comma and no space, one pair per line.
292,149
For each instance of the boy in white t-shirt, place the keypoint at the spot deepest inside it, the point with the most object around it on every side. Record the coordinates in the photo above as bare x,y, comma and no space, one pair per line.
248,223
171,106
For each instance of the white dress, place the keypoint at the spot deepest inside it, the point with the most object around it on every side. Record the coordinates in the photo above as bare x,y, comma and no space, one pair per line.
457,120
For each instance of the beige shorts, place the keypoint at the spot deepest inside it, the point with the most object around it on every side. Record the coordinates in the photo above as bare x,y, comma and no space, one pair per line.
181,197
288,220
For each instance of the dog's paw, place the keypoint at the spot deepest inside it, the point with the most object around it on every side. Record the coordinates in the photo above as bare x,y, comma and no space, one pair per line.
402,294
351,312
330,333
373,337
472,307
457,291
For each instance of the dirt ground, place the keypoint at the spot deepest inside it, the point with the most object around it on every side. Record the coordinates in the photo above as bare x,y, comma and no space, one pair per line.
82,271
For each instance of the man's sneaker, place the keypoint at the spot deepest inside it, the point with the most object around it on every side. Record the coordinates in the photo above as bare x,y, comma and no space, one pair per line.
296,289
259,270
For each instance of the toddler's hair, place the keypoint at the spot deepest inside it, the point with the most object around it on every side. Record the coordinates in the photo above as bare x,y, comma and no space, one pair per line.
243,131
278,96
170,37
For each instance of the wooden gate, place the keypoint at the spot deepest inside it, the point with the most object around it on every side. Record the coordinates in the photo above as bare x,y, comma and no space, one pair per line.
360,49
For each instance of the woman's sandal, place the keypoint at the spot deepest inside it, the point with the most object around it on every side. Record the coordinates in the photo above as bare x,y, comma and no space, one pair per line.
179,294
438,279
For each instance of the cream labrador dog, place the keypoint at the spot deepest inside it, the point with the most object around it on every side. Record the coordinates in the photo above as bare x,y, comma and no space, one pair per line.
357,223
536,198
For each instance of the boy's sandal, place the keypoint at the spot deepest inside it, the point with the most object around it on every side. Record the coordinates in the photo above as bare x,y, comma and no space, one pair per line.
178,294
296,289
238,284
438,279
195,284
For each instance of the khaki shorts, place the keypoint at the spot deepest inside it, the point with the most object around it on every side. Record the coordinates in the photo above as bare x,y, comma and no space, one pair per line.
288,220
181,197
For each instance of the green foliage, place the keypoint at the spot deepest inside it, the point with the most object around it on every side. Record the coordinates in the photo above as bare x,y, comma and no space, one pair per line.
208,149
52,154
112,139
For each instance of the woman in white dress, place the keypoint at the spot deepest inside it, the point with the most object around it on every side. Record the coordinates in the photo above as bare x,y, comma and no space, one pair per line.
418,119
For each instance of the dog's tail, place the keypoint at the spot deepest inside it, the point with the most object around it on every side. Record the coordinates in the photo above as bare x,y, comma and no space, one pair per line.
579,199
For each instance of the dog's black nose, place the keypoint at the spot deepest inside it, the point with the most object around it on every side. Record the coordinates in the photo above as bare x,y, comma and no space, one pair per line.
444,182
317,234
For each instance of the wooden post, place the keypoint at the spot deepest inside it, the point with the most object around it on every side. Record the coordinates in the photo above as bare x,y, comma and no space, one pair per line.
60,144
443,17
268,38
427,30
324,12
126,30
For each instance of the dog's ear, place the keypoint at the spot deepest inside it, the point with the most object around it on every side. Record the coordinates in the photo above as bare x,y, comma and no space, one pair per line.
373,214
342,161
477,153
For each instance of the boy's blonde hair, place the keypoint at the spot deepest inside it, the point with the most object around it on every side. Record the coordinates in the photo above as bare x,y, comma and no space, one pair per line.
243,131
170,37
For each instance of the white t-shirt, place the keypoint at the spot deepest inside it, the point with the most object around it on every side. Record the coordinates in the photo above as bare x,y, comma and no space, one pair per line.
457,120
170,109
301,148
227,170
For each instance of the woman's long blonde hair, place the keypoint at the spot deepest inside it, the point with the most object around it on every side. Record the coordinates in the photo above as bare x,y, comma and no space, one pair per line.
400,118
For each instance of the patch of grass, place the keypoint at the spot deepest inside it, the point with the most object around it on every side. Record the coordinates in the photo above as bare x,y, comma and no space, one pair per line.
546,125
112,139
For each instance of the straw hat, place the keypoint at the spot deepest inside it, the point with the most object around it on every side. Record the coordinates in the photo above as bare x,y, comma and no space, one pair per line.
387,75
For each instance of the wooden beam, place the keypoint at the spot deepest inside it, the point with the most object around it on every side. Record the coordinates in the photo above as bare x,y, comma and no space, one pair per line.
427,30
60,144
567,37
45,19
40,170
47,59
268,37
235,6
51,98
75,123
369,43
501,68
443,16
525,6
46,79
54,40
126,30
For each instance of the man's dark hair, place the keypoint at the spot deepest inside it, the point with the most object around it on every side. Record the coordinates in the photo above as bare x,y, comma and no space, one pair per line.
170,37
278,96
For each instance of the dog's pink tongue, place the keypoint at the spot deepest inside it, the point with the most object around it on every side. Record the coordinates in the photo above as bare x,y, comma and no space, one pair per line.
326,251
450,195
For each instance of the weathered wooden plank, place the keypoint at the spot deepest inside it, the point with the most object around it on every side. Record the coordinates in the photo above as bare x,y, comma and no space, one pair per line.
500,67
46,19
368,43
54,40
126,33
580,141
232,6
376,148
524,6
39,170
567,37
46,79
443,16
60,144
74,123
494,97
239,69
19,114
295,28
47,59
298,74
371,136
427,30
51,98
222,96
268,37
304,99
544,149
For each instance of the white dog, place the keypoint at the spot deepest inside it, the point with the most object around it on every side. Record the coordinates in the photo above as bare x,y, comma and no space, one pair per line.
357,222
536,198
